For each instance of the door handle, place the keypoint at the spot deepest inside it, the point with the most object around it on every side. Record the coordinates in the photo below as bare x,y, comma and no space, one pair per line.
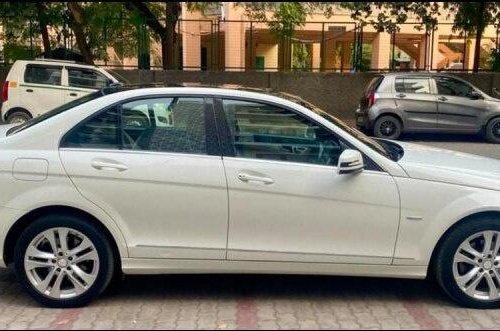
443,99
108,165
401,95
73,95
29,90
251,178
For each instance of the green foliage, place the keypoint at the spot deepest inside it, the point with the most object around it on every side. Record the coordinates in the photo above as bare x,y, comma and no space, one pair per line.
495,60
301,57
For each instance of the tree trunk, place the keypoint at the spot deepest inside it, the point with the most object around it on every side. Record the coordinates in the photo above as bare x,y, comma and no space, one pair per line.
77,23
43,27
479,35
172,15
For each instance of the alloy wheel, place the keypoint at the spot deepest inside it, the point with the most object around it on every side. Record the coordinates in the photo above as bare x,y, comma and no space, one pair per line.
61,263
387,128
476,266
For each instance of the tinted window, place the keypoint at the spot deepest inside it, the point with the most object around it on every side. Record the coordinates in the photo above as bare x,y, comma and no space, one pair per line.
38,74
453,87
86,78
262,131
167,124
413,85
374,84
101,131
175,125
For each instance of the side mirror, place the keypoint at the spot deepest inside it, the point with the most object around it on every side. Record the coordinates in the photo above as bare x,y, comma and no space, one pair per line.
350,162
474,95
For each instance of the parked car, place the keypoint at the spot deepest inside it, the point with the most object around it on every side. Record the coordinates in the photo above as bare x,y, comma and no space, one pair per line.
35,87
397,103
206,180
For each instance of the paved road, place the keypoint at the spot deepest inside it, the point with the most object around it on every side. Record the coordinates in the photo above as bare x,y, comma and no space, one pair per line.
247,302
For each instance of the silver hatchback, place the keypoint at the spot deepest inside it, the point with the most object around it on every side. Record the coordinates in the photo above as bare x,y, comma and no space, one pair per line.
396,103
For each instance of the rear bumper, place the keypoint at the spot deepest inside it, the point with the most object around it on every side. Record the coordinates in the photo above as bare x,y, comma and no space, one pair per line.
362,120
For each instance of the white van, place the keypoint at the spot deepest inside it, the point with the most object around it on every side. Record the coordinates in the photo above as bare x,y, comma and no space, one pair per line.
35,87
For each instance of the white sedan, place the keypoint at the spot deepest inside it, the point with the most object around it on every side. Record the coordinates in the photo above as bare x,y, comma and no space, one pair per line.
203,180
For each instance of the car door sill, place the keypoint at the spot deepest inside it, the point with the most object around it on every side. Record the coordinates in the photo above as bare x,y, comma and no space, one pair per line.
133,266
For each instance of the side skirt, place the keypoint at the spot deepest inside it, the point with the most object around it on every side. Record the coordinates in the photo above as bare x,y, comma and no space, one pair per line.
174,266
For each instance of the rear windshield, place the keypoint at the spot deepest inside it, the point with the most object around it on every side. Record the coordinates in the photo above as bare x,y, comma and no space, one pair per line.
374,84
55,112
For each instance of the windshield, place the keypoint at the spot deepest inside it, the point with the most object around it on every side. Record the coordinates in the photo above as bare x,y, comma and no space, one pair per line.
385,148
55,112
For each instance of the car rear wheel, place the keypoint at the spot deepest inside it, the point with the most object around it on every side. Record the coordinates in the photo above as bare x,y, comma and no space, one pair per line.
63,261
493,131
18,117
468,264
388,127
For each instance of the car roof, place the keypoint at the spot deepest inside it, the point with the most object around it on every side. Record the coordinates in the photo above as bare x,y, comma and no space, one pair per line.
55,63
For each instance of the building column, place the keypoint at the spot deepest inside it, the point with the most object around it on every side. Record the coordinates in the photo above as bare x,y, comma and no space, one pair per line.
191,40
431,59
316,57
381,51
469,53
235,50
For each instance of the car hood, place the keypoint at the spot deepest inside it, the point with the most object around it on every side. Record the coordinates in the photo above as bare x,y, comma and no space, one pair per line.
435,164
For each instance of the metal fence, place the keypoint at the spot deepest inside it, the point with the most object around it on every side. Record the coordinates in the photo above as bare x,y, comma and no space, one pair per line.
224,45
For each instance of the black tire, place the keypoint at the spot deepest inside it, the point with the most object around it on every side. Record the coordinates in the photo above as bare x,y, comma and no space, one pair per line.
492,132
80,224
443,264
18,117
388,127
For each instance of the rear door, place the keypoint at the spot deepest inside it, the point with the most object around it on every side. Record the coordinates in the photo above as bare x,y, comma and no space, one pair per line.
82,81
42,90
457,111
414,99
154,165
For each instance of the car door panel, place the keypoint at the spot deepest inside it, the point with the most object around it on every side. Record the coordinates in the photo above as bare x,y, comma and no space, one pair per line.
309,213
41,90
168,205
287,202
414,100
163,180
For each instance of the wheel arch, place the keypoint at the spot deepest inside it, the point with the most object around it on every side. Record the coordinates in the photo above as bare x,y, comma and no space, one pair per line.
17,109
22,223
437,247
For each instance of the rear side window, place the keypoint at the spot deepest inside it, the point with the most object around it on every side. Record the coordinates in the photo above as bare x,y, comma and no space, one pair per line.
175,125
416,85
86,78
374,84
39,74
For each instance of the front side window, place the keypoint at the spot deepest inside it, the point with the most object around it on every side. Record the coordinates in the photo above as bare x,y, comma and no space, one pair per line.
416,85
453,87
262,131
175,125
86,78
40,74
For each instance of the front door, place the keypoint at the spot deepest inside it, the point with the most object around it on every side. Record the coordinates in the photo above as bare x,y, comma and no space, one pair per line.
417,104
82,81
457,110
287,202
155,167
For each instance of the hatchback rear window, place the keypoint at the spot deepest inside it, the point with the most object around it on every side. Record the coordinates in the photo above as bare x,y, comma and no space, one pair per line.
39,74
374,84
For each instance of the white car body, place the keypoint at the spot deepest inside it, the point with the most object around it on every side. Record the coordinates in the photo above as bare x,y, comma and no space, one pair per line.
180,213
36,98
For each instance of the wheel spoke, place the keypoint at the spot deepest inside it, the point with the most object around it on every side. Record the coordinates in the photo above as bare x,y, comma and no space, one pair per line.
78,287
468,248
34,253
55,291
87,278
493,290
461,258
34,264
471,288
462,281
63,239
488,242
84,245
44,285
51,238
89,256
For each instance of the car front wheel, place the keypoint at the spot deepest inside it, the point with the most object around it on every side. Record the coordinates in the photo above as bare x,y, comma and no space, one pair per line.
63,261
493,131
468,264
